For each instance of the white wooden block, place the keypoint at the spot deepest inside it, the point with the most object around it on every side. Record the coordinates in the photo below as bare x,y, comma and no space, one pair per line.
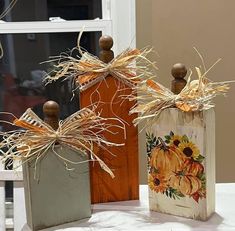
60,195
2,201
182,182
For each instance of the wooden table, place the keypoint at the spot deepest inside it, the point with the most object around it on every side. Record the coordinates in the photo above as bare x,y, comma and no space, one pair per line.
135,215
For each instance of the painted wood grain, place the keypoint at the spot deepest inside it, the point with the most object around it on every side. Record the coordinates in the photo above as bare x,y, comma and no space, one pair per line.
58,194
123,160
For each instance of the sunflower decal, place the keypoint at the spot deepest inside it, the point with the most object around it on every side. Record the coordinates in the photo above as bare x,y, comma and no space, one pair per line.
189,149
157,182
175,140
175,167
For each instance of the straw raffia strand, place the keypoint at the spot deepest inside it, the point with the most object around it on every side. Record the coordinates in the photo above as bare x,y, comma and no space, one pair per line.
1,50
196,96
80,132
129,67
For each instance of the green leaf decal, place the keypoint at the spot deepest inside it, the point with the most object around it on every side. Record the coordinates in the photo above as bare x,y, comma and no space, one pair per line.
173,193
168,137
151,142
200,158
167,193
185,139
202,177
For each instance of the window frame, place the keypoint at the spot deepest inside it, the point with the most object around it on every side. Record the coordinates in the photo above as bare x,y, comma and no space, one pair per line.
52,27
118,20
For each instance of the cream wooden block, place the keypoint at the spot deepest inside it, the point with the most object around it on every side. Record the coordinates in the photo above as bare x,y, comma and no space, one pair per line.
61,195
187,189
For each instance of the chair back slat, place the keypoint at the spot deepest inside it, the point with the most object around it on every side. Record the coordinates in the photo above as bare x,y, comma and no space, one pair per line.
2,200
19,201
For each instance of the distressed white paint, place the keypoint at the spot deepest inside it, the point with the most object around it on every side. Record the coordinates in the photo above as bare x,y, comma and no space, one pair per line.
200,129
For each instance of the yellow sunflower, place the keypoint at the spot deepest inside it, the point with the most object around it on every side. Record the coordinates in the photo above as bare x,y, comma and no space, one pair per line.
175,140
157,182
189,149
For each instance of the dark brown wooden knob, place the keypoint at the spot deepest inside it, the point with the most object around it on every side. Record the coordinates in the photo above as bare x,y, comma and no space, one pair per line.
51,111
178,71
106,54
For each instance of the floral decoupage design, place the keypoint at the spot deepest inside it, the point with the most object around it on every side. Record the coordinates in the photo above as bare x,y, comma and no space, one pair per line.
175,167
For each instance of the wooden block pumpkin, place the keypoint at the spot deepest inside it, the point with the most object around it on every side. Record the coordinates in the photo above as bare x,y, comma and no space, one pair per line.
181,156
57,191
55,156
59,196
122,160
180,140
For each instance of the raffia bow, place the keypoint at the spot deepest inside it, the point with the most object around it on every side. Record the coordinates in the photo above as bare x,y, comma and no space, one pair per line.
128,67
80,132
153,97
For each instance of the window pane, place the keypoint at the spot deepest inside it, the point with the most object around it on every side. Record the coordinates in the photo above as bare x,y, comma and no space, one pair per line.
42,10
21,74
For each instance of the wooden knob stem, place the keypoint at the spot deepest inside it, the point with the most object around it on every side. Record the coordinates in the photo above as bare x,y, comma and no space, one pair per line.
106,54
178,71
51,111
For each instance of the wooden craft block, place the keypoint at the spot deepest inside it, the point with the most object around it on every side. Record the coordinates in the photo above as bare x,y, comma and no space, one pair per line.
60,195
122,160
181,171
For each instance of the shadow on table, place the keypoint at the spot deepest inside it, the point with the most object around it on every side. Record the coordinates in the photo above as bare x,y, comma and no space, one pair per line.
116,214
84,223
143,215
152,218
146,220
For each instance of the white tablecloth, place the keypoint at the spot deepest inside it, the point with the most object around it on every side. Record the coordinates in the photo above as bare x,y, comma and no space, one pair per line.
135,215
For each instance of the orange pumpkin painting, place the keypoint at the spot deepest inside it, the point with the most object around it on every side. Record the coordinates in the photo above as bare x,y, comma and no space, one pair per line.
166,159
175,167
185,183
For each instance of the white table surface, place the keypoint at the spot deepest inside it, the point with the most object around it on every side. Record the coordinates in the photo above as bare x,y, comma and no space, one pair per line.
135,215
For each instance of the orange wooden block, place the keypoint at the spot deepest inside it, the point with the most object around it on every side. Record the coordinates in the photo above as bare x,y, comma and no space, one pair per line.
124,159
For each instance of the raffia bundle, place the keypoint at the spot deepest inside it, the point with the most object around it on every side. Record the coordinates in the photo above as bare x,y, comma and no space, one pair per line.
80,132
129,67
195,96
